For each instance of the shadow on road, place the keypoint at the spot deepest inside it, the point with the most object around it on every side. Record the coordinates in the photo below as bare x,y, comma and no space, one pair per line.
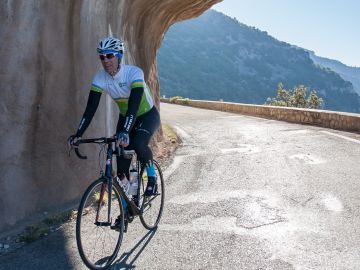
122,262
51,252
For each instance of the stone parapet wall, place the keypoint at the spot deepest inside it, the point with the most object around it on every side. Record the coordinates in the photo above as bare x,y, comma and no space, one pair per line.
328,119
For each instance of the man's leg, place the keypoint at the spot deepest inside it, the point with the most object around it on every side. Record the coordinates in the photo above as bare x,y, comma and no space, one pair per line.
122,163
145,156
146,126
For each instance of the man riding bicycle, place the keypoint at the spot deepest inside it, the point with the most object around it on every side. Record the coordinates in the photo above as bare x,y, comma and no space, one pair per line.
138,117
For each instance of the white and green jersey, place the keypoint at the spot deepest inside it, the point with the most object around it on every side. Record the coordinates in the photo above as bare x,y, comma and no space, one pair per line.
119,87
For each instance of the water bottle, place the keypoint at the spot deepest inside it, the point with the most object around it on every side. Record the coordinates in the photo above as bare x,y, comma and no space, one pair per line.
133,182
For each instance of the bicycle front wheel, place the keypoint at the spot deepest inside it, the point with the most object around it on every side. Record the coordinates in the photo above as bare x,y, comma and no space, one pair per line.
152,206
97,237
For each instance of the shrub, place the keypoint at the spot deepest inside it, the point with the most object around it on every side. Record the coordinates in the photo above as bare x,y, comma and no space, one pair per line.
173,99
296,97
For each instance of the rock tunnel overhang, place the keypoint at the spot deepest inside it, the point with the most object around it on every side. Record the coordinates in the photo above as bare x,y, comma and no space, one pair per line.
144,27
50,60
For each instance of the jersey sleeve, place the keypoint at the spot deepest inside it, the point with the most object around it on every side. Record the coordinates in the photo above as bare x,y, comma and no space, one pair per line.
97,84
91,107
136,78
136,84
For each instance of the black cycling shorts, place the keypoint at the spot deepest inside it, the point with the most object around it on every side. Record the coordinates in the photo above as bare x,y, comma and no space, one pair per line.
144,128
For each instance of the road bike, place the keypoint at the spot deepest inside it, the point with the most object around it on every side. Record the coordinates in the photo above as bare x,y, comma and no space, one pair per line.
106,207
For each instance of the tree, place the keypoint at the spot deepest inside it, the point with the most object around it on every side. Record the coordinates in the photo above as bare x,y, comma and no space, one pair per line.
296,97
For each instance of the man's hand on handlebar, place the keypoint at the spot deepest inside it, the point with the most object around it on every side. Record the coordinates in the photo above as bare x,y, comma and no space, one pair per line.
72,141
122,139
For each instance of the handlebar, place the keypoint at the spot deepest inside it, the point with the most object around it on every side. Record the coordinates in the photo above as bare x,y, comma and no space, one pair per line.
127,154
96,140
77,152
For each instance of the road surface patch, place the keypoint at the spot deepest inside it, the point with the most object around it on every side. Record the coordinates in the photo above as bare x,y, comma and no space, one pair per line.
308,159
243,148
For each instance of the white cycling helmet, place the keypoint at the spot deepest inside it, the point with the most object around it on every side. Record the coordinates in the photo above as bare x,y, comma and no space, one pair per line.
111,45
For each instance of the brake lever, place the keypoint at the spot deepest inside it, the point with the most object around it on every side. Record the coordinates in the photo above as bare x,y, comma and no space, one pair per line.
70,148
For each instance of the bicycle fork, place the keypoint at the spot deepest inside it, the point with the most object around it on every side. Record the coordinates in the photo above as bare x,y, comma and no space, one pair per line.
106,185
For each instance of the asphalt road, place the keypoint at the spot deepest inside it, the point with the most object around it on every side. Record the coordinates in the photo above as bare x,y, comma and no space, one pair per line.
242,193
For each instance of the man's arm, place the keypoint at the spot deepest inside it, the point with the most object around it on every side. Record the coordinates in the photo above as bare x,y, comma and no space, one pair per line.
91,107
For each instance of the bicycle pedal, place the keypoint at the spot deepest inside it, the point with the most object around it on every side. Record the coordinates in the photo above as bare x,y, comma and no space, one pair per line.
130,219
115,228
116,225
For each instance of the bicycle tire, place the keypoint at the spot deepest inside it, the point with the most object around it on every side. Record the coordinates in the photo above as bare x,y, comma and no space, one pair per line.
90,204
157,200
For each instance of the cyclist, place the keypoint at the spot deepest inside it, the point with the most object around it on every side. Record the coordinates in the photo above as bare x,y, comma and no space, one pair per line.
138,117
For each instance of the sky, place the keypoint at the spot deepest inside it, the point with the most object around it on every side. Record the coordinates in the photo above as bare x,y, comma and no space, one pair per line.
330,28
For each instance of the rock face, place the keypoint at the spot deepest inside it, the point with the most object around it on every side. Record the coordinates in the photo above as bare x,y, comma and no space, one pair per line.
48,60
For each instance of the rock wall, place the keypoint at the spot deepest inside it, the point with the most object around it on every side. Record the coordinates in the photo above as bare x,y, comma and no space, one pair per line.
48,60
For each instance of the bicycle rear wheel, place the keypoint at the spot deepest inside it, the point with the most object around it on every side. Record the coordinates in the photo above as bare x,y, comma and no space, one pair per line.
152,206
97,240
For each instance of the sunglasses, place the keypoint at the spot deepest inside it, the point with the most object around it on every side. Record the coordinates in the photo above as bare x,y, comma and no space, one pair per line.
107,56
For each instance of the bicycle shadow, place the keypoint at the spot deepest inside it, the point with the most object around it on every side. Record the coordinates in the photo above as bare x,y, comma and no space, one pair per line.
122,263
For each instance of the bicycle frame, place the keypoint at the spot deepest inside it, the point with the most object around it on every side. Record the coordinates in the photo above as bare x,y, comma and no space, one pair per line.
109,182
108,178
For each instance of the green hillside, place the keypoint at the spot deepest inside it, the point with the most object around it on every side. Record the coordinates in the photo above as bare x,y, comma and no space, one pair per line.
215,57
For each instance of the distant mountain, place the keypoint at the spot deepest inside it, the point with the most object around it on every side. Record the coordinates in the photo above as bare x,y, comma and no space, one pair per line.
351,74
215,57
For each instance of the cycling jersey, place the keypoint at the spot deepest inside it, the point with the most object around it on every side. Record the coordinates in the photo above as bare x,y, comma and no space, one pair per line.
119,87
